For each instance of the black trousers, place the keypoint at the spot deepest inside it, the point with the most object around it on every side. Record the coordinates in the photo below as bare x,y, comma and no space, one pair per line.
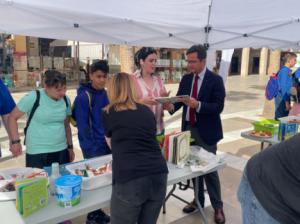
46,159
138,201
212,180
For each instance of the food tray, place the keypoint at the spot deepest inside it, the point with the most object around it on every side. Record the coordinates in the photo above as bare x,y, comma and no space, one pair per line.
9,176
90,183
267,125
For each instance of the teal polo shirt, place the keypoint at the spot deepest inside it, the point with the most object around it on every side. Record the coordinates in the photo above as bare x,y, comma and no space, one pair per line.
46,132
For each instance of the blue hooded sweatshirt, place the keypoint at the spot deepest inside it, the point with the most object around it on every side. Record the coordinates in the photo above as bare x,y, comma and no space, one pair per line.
91,140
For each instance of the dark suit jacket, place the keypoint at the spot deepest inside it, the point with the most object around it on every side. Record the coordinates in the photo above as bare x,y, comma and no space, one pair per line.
212,96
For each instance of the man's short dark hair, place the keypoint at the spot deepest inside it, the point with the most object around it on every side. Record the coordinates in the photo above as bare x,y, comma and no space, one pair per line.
101,65
199,49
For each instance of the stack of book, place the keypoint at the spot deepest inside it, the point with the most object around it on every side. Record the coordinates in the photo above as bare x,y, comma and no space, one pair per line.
32,195
176,147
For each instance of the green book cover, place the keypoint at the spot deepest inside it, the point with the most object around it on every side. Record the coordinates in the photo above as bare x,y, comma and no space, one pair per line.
32,195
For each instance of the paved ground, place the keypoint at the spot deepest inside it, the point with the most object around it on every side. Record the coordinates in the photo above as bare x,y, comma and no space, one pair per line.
244,103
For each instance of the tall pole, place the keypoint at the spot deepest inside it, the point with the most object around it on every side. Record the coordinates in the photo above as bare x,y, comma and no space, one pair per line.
3,51
76,60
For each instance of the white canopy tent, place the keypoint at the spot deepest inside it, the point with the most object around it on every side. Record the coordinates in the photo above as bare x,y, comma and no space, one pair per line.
221,24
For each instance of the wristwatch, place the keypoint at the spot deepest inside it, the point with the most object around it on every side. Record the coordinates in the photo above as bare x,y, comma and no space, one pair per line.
70,146
13,142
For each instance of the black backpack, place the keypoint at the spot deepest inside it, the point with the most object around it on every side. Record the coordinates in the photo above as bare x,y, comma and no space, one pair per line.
34,107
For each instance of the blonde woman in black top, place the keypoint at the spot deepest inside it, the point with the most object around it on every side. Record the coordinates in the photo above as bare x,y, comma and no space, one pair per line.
139,170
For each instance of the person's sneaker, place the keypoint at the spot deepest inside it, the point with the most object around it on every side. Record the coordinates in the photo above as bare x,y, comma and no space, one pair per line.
103,215
97,217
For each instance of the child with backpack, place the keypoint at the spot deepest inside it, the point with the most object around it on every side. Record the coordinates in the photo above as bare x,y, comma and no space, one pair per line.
48,133
90,100
285,82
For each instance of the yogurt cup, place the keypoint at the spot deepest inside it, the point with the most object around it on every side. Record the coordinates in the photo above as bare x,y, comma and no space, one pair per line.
68,189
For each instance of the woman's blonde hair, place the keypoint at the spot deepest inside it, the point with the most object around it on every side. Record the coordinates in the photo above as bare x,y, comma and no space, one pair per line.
121,92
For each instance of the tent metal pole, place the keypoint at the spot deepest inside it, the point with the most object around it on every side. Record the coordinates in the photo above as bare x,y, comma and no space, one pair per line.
207,28
252,34
240,35
77,62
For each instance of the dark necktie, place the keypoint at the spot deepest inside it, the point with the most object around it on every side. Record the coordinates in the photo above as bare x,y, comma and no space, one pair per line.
194,95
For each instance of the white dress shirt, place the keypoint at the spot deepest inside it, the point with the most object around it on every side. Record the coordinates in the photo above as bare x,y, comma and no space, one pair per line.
200,80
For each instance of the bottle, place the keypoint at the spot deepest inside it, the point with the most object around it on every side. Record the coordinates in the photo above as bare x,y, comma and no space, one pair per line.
54,175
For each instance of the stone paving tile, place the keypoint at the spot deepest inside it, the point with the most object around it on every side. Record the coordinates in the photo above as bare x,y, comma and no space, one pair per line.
246,148
236,123
230,179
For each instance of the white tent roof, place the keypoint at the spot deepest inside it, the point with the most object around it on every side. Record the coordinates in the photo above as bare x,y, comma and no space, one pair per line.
158,23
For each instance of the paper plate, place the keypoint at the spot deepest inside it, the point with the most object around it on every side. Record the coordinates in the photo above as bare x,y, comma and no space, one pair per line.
6,196
10,175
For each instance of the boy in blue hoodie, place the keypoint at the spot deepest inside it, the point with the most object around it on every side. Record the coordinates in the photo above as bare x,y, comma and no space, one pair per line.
90,100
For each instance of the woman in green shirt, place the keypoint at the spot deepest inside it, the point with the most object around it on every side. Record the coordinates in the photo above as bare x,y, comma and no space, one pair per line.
48,134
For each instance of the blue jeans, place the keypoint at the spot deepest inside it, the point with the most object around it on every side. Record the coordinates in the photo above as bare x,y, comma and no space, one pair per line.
252,211
280,108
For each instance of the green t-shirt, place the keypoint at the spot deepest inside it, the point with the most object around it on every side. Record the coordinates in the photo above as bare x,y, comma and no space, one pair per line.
46,132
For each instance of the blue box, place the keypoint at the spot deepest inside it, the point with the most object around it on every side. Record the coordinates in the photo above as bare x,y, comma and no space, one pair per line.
287,130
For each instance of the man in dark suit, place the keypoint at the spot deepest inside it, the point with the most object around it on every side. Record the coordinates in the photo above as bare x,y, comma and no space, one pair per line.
201,115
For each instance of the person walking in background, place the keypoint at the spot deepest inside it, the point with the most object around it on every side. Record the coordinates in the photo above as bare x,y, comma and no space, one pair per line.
269,190
7,104
201,115
285,81
48,135
90,100
148,84
139,169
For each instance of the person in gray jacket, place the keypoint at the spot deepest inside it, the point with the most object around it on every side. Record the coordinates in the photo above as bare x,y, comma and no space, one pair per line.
269,191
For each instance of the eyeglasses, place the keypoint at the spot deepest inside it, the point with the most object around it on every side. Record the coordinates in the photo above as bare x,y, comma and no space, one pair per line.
192,62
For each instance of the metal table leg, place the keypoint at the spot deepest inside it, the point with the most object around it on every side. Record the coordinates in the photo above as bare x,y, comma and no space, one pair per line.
196,192
261,146
171,193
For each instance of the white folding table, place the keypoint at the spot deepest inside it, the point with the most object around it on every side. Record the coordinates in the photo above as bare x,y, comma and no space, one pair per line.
271,141
90,201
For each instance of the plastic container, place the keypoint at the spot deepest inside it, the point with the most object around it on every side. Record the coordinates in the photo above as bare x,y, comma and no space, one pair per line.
268,125
68,190
90,183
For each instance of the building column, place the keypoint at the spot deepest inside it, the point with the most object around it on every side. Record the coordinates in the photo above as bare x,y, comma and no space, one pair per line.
245,62
263,61
127,59
20,61
274,61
